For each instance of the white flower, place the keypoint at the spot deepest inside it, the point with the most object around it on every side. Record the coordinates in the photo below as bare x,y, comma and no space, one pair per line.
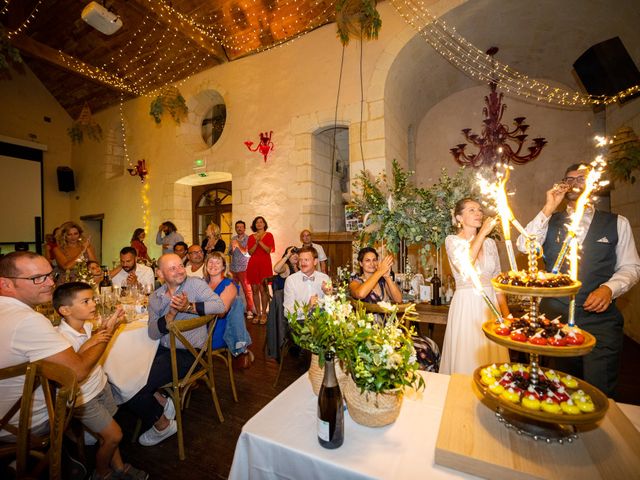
388,307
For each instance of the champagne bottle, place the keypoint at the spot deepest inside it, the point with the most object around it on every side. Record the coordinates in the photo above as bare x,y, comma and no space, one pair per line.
435,283
330,408
106,285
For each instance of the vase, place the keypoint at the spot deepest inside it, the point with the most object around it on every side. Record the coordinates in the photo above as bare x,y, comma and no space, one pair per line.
369,408
316,374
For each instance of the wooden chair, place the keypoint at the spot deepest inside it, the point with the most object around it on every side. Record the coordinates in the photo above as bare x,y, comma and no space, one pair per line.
201,368
59,387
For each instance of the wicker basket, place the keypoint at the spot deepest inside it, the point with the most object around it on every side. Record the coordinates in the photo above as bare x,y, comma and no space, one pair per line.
371,409
316,374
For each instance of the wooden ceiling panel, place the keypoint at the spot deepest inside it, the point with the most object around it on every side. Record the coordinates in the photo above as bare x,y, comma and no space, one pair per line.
159,42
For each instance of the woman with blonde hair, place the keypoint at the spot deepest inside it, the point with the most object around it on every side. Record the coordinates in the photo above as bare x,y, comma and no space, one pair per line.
71,247
230,329
213,239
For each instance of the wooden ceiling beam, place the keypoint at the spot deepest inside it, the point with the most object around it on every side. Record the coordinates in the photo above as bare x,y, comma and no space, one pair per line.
71,64
184,27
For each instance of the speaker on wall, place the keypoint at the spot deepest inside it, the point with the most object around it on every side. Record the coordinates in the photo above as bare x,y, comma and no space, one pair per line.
66,182
607,68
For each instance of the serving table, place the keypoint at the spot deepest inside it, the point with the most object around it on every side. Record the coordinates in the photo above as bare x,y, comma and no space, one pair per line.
280,440
128,357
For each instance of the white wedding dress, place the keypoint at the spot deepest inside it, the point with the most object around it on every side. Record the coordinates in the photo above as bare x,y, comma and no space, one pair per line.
465,347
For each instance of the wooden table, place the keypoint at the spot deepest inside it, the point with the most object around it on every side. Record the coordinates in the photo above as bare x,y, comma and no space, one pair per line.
432,315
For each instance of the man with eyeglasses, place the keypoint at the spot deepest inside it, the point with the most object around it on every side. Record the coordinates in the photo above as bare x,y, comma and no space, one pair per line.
26,280
609,267
195,265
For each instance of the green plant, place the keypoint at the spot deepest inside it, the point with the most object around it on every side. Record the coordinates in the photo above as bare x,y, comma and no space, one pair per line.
78,130
8,53
357,18
323,327
173,102
626,161
394,210
381,357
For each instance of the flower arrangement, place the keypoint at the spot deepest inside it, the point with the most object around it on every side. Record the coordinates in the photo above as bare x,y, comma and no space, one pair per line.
395,211
323,327
379,358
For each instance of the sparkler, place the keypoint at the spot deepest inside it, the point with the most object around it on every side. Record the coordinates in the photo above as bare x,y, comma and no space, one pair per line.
592,182
463,259
498,192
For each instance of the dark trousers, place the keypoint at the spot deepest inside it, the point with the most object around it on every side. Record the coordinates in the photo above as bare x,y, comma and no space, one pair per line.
600,367
143,403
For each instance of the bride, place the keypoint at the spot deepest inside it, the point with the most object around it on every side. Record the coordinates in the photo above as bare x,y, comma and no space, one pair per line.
465,347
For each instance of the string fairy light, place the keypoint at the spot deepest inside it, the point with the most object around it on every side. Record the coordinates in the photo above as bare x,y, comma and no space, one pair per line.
25,25
474,62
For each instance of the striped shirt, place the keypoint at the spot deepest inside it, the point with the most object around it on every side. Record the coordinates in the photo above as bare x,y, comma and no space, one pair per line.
196,290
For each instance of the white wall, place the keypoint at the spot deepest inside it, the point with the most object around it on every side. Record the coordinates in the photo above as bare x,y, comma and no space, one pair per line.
24,102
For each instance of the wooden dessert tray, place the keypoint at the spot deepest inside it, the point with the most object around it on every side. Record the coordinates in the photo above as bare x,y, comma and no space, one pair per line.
472,440
599,400
537,291
547,350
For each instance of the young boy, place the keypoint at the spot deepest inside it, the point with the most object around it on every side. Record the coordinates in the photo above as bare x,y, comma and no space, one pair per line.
95,405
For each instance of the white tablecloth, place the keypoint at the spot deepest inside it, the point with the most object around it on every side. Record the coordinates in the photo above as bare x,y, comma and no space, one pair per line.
127,359
281,441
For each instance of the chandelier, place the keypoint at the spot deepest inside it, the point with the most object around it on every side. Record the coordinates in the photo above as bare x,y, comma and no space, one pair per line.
497,144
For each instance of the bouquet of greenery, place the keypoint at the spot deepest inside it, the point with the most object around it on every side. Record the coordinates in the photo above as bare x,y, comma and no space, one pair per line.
381,357
324,327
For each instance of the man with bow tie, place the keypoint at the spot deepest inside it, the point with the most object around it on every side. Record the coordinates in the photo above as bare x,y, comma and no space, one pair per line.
609,267
307,285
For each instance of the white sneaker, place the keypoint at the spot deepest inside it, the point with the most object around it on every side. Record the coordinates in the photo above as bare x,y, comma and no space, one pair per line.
169,409
153,436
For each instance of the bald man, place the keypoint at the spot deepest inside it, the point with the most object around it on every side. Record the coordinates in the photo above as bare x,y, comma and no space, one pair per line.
305,238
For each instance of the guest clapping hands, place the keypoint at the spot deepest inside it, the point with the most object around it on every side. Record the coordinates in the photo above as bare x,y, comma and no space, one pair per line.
374,284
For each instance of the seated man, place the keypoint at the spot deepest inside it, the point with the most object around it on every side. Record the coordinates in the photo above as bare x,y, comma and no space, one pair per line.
180,249
131,273
307,285
195,265
173,301
28,336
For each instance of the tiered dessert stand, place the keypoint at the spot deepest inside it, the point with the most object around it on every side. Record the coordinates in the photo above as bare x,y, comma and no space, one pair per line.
539,424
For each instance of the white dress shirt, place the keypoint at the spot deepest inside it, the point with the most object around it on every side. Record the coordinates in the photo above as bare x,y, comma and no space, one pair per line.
627,268
144,274
300,288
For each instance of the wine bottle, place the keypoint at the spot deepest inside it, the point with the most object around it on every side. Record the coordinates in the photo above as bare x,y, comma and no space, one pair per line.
330,408
435,284
106,285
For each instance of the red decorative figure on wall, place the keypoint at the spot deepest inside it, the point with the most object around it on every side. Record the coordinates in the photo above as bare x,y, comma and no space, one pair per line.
139,170
265,146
